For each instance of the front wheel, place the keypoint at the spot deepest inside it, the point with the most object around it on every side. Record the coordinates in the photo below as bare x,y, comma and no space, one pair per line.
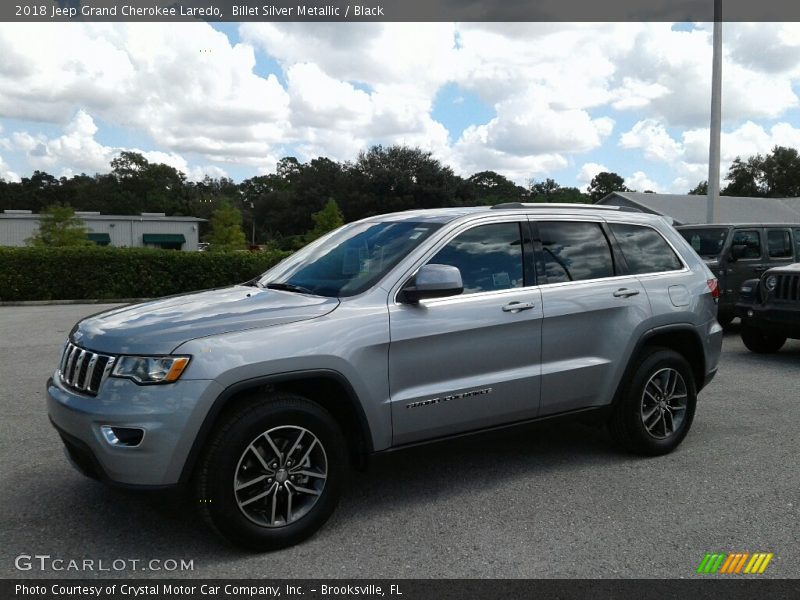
761,343
272,473
655,409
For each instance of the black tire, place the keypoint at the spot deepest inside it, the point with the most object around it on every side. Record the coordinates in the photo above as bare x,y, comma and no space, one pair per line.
760,343
725,318
230,453
628,423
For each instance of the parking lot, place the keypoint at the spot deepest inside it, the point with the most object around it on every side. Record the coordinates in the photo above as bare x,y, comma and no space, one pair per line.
555,501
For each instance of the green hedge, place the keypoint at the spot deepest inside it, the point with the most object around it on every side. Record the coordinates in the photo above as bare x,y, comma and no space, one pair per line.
108,273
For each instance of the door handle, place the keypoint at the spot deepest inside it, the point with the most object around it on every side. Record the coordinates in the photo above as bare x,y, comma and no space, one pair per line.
515,307
625,293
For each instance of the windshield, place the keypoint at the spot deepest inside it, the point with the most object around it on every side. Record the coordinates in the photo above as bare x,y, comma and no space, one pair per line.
706,242
349,260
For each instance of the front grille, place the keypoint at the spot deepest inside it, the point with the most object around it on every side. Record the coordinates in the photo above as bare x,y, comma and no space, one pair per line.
84,370
787,288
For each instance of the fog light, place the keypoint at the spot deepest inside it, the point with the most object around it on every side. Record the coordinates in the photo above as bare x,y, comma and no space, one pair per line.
749,313
128,437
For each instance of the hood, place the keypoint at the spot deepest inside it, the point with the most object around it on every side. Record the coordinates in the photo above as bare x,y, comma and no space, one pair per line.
792,269
159,326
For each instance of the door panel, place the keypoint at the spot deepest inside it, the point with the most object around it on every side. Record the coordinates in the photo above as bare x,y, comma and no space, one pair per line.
752,265
590,314
469,361
586,332
464,363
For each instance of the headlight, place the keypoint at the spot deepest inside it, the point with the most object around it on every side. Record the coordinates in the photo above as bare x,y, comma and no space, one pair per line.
771,282
150,369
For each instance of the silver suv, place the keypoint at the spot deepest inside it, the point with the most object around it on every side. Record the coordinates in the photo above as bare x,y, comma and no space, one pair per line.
394,330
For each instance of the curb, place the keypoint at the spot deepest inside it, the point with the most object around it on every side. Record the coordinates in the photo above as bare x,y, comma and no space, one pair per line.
86,301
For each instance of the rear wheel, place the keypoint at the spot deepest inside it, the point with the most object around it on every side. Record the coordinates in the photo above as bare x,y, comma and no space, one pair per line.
760,343
273,472
656,408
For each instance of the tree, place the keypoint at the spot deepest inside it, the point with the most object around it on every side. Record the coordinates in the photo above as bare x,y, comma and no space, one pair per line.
604,183
744,177
398,178
701,189
780,172
58,226
226,229
325,220
490,188
550,191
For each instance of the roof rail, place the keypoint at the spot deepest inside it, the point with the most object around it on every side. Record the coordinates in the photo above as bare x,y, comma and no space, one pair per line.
569,205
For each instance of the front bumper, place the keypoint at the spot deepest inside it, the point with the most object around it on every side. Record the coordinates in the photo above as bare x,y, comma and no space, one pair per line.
170,415
773,319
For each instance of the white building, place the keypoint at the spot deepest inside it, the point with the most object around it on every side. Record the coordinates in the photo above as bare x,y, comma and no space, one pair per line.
152,230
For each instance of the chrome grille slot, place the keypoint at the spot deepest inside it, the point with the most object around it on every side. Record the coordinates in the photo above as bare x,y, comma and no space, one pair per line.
84,370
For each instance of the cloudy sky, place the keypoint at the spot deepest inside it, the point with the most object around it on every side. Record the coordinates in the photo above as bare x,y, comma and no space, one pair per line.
527,100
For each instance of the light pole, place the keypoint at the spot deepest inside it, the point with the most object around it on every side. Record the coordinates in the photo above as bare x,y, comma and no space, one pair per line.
712,206
253,217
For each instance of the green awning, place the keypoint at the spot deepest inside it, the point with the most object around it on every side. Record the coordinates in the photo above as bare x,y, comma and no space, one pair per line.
163,238
101,239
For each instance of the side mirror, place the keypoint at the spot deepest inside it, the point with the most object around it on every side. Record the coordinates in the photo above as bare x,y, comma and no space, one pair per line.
738,251
432,281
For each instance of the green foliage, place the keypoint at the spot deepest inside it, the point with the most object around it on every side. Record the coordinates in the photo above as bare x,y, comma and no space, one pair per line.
604,183
325,220
58,226
226,229
549,191
701,189
108,273
492,188
776,175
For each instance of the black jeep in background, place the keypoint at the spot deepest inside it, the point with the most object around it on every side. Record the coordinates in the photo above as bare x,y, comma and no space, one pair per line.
737,252
769,308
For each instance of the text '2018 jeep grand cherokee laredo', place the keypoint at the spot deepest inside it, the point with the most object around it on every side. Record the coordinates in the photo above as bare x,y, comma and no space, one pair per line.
393,330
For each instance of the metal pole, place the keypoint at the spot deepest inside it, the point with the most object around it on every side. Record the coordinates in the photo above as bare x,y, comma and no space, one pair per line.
712,211
253,214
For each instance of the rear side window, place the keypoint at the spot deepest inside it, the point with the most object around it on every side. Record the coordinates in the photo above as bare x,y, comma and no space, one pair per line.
797,243
751,241
574,251
644,249
779,244
707,242
488,256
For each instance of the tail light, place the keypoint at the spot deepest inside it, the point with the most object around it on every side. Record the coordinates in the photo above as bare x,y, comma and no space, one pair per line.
713,285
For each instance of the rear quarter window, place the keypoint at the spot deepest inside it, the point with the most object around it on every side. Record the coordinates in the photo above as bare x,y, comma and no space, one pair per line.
645,250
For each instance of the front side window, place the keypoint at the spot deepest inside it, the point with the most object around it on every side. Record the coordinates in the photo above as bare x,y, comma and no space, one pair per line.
574,251
488,256
797,243
644,249
779,244
751,240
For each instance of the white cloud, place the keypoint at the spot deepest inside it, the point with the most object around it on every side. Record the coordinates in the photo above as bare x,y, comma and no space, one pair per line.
77,151
148,77
641,182
589,171
652,137
554,89
6,173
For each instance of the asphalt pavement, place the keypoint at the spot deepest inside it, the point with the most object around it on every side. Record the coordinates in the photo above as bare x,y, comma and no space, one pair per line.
548,501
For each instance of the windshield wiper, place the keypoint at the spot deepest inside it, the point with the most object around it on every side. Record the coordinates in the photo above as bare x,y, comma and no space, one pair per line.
288,287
